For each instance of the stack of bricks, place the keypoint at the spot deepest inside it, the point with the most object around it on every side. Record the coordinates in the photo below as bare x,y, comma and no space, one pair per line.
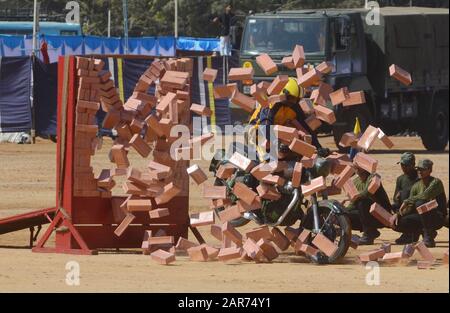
90,80
143,126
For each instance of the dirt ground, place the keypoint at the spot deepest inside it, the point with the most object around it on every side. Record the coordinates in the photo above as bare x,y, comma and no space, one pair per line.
27,182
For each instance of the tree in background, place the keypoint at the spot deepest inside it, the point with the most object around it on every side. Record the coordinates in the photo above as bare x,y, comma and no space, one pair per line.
156,17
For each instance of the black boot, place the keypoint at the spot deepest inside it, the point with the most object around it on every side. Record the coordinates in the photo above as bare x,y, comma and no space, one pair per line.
407,238
428,237
368,237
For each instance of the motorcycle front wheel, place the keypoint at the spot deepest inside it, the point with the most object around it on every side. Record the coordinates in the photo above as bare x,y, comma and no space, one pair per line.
335,226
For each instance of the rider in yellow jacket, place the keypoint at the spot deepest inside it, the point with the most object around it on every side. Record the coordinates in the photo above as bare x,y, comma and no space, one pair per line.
286,113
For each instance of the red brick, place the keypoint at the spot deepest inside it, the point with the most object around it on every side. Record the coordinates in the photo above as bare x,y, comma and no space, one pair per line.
424,252
230,213
139,205
159,213
339,96
241,74
307,106
201,110
325,245
244,193
243,101
196,173
373,255
124,225
350,189
325,114
212,252
210,75
309,162
214,192
427,207
216,232
310,78
140,145
153,125
244,207
274,180
286,134
368,138
445,258
162,169
170,192
313,122
163,257
394,257
292,233
423,265
104,180
278,85
385,139
224,91
316,185
346,174
232,233
400,74
309,250
226,254
321,95
259,95
297,175
242,162
348,140
268,192
202,219
253,250
258,233
280,239
119,156
268,249
288,62
277,99
225,171
374,185
198,254
366,162
300,147
161,240
325,67
184,244
298,56
266,63
355,98
381,214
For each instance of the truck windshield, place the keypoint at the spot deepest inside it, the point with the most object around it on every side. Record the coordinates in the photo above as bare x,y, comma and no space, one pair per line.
278,36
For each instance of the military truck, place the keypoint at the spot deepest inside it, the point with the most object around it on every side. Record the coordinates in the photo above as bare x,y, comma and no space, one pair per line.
362,48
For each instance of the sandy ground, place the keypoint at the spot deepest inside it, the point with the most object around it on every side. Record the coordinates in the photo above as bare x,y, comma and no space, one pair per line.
27,182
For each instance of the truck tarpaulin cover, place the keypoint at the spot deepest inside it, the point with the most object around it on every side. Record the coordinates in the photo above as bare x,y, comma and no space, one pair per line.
15,109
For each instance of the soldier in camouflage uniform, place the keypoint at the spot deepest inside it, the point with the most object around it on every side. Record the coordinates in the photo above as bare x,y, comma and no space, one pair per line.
358,209
428,188
402,191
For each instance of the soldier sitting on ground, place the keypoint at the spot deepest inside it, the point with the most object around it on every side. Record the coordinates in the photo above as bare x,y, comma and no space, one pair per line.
427,189
402,191
359,209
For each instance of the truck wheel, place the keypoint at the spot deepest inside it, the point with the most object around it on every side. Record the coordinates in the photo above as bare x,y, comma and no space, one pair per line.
435,134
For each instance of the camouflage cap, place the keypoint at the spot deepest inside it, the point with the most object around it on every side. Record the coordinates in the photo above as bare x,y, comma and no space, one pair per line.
425,164
407,158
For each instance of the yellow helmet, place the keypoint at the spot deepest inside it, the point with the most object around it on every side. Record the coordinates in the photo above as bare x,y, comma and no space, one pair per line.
293,89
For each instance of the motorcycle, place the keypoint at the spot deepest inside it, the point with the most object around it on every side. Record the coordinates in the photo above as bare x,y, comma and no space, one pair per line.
318,214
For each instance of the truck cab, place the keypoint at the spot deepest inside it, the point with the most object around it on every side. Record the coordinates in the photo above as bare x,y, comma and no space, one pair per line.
336,36
361,53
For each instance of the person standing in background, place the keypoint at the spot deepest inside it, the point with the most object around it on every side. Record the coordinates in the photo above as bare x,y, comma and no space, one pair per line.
226,20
